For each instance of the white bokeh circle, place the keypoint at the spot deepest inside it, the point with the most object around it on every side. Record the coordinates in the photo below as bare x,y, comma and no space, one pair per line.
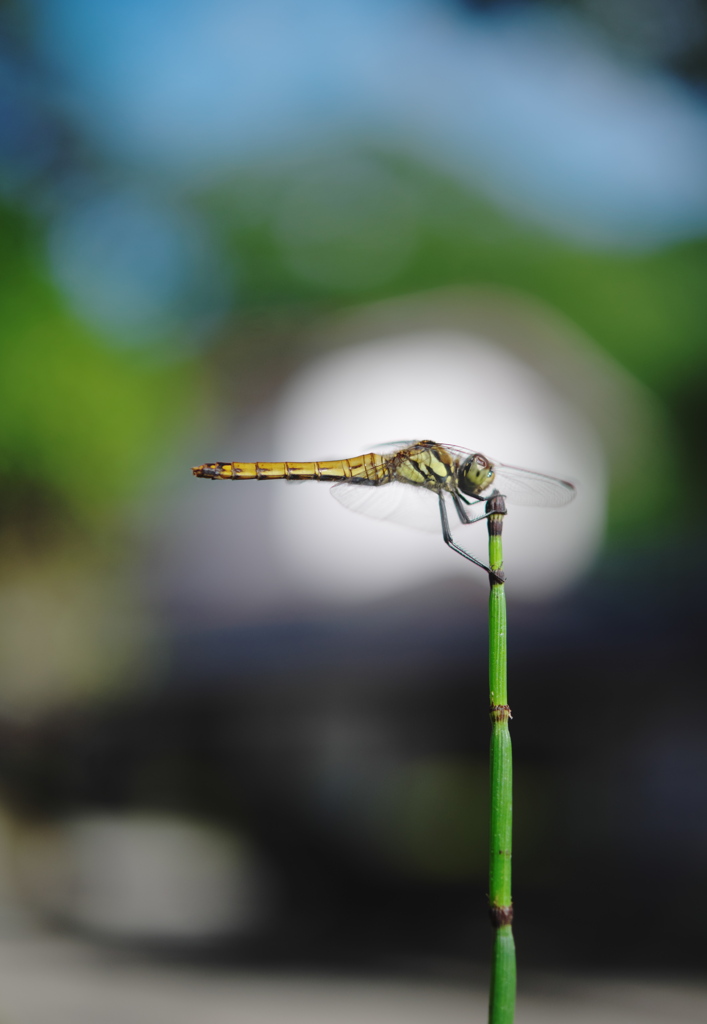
451,387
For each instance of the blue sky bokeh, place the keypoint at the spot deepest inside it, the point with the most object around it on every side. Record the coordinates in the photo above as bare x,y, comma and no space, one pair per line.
530,104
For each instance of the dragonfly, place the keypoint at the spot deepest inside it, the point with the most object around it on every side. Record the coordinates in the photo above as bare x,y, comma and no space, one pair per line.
410,482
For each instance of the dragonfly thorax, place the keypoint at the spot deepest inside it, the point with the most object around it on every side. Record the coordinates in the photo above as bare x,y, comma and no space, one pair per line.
475,475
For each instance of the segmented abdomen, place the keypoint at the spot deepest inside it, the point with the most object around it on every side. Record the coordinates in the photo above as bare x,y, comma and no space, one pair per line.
371,467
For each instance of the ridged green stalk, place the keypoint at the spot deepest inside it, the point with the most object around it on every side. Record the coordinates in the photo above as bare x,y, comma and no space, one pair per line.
503,963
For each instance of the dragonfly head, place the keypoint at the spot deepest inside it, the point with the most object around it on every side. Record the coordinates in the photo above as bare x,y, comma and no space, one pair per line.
475,475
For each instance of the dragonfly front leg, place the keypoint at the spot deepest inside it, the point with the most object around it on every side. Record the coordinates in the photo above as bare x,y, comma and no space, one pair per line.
449,540
464,516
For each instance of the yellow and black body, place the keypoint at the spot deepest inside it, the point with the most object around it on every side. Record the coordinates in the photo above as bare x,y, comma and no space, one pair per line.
465,476
424,464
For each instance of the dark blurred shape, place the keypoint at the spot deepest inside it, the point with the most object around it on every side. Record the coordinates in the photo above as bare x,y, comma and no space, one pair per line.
673,32
358,780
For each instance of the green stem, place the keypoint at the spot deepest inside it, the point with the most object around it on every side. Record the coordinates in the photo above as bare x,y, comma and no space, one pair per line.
503,963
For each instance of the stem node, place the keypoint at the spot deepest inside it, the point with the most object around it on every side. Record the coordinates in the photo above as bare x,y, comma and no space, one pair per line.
501,916
500,712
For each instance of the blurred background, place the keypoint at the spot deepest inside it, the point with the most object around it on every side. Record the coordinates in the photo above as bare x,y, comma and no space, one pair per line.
243,732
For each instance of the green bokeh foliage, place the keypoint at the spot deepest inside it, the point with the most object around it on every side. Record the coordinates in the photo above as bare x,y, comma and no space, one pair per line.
81,422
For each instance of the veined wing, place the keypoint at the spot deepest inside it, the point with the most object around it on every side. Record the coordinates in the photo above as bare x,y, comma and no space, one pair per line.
525,487
519,486
417,507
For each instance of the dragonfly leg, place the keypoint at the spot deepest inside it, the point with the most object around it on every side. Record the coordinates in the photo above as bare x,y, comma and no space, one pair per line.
449,540
464,516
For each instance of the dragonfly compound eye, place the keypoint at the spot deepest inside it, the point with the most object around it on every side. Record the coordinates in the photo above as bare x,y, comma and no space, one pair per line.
475,475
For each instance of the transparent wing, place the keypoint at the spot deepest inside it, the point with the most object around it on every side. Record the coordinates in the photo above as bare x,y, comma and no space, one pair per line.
525,487
398,502
520,487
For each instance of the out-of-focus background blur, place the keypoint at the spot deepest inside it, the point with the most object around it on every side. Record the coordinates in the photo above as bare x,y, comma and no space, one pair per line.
243,731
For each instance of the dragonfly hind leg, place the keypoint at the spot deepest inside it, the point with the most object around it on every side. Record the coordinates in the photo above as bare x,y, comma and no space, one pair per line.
496,577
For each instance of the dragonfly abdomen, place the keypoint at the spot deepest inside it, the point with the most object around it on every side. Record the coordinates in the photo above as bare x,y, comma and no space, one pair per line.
370,468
